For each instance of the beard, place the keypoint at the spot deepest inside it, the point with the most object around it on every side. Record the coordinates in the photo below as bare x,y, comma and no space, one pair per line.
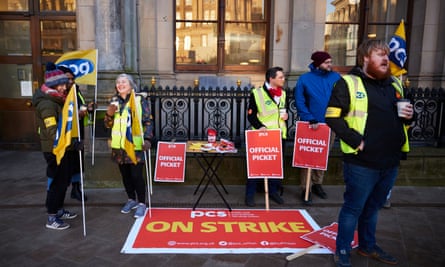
375,70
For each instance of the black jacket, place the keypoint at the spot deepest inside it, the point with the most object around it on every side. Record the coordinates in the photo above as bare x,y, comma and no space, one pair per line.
383,135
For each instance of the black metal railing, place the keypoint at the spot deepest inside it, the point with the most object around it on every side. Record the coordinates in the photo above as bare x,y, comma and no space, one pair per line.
186,113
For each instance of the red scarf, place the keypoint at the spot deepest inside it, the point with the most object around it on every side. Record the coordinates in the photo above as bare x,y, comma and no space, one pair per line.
275,91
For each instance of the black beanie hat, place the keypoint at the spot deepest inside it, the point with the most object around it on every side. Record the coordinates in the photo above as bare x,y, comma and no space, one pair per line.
319,57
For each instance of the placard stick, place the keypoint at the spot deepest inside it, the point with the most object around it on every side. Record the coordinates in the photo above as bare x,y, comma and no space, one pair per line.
308,182
266,193
301,253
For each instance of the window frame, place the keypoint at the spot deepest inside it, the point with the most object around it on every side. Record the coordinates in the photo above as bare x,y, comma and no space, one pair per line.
220,66
363,26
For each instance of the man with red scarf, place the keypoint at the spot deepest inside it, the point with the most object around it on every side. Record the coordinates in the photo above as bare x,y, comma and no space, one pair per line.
271,98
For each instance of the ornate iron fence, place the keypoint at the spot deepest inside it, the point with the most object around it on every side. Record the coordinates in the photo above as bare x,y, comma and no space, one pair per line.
186,113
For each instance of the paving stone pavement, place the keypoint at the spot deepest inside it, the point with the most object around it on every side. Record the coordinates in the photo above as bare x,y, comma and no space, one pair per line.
411,230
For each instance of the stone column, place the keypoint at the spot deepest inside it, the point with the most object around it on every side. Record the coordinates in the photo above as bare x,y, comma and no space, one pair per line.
109,35
307,32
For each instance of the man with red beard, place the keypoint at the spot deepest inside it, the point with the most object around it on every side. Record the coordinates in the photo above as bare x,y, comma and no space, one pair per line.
362,112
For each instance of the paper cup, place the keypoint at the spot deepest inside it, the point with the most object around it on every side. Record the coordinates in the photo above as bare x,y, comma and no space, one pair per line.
116,103
282,112
401,104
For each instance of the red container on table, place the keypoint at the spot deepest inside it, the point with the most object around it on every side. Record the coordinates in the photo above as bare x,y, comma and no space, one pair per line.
211,135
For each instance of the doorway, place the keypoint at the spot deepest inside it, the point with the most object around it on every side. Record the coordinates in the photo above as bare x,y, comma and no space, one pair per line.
32,33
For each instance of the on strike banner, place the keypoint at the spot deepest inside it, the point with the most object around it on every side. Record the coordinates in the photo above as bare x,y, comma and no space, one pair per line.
311,147
326,237
220,231
264,154
170,162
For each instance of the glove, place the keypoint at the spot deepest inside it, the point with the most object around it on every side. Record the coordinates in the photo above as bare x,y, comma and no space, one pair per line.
313,124
78,145
147,145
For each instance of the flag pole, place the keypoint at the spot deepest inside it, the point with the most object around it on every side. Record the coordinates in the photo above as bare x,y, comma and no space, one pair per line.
76,109
94,113
146,159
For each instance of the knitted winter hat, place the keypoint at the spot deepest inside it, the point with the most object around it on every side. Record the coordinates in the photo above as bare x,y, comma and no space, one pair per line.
54,76
319,57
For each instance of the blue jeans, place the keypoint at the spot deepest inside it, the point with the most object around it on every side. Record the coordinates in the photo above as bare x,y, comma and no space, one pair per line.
366,192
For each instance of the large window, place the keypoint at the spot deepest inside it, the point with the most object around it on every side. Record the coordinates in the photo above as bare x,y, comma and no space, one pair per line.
221,35
349,22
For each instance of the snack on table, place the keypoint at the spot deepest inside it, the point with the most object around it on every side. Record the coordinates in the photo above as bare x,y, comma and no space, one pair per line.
226,146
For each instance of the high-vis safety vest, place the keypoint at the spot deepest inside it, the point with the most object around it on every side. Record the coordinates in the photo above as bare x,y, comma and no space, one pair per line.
120,127
82,102
358,109
269,111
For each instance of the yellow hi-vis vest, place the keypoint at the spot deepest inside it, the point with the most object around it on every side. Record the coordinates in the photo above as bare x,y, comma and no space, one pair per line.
120,127
358,109
82,100
269,111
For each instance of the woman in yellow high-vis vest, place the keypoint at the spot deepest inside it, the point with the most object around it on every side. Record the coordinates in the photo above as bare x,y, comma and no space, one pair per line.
362,111
117,117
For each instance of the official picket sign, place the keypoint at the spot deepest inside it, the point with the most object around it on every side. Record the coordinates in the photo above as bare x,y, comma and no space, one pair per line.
327,236
264,154
170,162
311,147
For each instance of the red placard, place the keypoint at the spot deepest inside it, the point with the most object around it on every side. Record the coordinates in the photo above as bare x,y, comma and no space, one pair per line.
311,147
264,154
170,162
326,237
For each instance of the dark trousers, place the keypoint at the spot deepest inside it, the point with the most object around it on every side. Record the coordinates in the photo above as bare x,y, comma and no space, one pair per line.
133,181
61,175
251,186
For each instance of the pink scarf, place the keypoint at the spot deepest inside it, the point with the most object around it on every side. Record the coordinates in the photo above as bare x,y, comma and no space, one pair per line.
53,92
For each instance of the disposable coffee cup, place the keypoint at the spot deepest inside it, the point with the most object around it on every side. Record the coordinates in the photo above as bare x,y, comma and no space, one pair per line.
116,103
401,104
282,112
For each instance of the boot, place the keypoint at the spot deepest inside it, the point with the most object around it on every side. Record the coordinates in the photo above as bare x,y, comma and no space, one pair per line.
76,192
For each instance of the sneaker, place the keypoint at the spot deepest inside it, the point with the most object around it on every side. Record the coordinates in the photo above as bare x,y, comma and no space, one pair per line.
318,190
131,204
341,259
275,197
307,202
55,223
250,201
140,210
387,204
377,254
64,214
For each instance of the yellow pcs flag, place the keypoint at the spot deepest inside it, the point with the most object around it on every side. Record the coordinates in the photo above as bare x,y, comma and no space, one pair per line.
83,63
67,126
133,128
397,54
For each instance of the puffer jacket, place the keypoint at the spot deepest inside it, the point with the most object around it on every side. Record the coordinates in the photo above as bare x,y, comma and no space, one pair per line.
48,108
